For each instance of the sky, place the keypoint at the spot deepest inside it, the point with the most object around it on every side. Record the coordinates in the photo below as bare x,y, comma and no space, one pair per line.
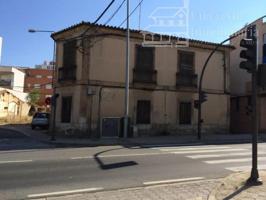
208,20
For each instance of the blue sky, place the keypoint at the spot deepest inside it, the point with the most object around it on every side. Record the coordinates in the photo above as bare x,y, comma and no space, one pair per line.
210,20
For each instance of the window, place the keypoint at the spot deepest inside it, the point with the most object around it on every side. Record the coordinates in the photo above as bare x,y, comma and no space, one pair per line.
145,58
186,62
48,86
50,77
66,109
185,113
69,54
143,112
37,86
38,76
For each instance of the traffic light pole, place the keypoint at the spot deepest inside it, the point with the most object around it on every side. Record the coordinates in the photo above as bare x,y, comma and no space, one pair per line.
254,177
201,78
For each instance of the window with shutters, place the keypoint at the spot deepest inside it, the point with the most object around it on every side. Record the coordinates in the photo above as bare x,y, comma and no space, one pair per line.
143,112
144,69
66,109
185,113
69,54
68,70
185,74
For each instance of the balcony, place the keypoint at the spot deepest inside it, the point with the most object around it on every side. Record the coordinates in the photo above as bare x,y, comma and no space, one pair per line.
67,73
144,76
186,80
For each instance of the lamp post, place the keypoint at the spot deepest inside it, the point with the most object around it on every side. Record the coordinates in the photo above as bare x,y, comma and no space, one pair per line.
53,104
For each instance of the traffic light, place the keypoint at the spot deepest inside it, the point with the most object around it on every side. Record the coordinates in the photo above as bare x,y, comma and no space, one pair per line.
248,110
203,97
250,54
196,104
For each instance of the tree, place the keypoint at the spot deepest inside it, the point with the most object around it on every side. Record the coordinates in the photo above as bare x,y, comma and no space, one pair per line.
33,97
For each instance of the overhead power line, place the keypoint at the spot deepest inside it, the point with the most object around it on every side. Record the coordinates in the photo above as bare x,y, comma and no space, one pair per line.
116,11
98,18
132,12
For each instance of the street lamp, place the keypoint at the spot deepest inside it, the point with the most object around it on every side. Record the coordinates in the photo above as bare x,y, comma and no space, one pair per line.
53,104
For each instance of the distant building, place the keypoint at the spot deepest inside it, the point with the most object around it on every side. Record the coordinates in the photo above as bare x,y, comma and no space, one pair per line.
41,80
12,78
1,43
45,65
13,105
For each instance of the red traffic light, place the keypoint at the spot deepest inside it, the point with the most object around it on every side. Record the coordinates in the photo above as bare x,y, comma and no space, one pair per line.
48,100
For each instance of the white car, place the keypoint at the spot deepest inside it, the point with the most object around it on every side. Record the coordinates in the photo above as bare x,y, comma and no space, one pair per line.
40,119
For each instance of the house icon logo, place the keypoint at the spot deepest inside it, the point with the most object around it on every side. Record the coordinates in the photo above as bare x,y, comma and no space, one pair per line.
172,21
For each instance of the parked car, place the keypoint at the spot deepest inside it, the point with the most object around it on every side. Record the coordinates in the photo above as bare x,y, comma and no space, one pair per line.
40,119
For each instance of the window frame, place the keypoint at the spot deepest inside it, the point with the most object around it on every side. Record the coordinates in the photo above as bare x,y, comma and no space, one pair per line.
140,117
185,121
66,116
191,53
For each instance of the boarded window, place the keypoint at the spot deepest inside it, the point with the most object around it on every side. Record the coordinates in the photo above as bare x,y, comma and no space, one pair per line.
185,113
186,62
143,112
66,109
145,58
69,54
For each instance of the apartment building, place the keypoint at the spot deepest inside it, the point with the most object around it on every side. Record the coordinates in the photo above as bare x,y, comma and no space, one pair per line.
241,84
12,78
90,77
41,80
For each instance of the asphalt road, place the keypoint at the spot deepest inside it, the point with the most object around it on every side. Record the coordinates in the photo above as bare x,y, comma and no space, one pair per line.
13,140
35,171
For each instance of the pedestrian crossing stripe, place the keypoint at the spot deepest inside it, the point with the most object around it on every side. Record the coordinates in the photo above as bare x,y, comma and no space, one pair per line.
207,151
201,156
191,148
235,160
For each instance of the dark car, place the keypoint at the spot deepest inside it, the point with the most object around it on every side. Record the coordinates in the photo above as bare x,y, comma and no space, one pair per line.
40,119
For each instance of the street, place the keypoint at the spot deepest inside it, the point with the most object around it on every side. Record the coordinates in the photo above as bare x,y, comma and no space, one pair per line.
31,172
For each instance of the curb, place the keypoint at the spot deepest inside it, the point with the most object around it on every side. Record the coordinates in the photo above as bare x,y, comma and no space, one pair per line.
123,142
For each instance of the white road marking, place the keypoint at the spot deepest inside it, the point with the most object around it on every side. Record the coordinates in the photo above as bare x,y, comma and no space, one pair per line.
244,168
61,193
191,148
223,155
119,155
15,161
235,160
207,151
173,181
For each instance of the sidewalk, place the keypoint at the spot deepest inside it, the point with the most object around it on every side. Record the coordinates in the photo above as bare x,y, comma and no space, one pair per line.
41,136
232,187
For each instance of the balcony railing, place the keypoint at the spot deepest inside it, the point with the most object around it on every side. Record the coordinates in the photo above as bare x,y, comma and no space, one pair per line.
144,76
67,73
187,80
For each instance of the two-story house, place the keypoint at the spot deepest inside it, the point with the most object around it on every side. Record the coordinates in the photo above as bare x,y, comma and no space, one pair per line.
90,77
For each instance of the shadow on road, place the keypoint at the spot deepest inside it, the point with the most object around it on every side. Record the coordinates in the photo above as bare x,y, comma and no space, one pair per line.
241,189
112,165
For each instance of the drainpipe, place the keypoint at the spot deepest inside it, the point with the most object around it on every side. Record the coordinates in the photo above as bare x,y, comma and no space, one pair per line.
99,110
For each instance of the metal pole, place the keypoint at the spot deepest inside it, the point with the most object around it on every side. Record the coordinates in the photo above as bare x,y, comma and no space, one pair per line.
254,177
201,79
127,75
53,105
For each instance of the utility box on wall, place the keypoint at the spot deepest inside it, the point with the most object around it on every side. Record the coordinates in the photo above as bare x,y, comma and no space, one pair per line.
111,127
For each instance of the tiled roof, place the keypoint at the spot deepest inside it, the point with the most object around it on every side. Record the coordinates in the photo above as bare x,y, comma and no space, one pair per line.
131,30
